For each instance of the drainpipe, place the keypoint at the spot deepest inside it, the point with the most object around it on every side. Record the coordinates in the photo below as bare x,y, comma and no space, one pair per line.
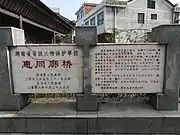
71,36
20,22
114,27
54,37
173,16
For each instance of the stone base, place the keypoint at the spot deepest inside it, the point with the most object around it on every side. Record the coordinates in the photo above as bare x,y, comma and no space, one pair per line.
9,37
13,102
111,118
86,103
162,102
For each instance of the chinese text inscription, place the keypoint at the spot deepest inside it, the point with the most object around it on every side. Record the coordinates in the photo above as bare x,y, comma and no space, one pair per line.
47,69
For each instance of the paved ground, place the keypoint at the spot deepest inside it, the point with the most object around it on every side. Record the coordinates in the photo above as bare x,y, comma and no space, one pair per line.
62,117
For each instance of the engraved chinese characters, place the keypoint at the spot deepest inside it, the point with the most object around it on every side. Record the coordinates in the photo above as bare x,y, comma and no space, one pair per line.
127,69
47,69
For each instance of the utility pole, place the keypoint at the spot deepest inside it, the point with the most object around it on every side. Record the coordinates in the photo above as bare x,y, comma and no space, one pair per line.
114,27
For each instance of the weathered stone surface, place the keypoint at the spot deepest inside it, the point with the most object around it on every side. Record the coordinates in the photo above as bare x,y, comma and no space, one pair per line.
9,102
86,35
167,34
111,118
56,125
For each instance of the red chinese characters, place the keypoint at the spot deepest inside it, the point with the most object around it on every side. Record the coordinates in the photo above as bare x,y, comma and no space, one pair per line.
47,64
53,64
27,64
40,64
66,64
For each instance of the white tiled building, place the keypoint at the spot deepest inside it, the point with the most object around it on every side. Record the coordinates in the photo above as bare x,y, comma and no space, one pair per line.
128,16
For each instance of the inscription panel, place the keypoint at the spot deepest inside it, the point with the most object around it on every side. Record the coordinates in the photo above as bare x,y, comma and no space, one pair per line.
46,69
127,69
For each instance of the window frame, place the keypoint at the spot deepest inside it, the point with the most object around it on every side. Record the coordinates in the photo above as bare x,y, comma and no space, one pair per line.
100,18
87,23
94,20
151,4
154,15
82,14
78,17
141,20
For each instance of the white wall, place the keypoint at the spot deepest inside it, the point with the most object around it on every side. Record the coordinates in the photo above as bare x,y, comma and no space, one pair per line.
93,13
109,20
80,22
127,18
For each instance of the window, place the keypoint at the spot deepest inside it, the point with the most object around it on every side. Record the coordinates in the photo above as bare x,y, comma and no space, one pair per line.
87,23
176,18
93,21
78,17
141,17
153,16
100,18
82,14
151,4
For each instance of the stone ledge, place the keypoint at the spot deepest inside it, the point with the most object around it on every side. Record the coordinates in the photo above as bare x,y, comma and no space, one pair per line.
111,118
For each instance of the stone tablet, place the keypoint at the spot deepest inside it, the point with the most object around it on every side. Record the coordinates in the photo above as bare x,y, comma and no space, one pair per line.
127,68
46,69
86,35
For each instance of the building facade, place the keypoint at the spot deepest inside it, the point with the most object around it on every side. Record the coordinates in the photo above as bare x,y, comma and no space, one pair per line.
136,17
40,23
83,11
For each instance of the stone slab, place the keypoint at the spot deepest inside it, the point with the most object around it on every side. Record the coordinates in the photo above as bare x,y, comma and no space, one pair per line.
83,134
18,125
51,69
50,109
134,110
87,114
167,34
86,103
167,103
4,125
127,68
12,125
119,118
86,35
9,102
56,125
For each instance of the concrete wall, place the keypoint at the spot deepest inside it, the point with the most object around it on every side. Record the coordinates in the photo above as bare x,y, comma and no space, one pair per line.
169,35
8,101
128,18
93,13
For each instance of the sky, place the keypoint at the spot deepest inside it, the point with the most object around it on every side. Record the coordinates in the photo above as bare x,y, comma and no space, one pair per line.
68,8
